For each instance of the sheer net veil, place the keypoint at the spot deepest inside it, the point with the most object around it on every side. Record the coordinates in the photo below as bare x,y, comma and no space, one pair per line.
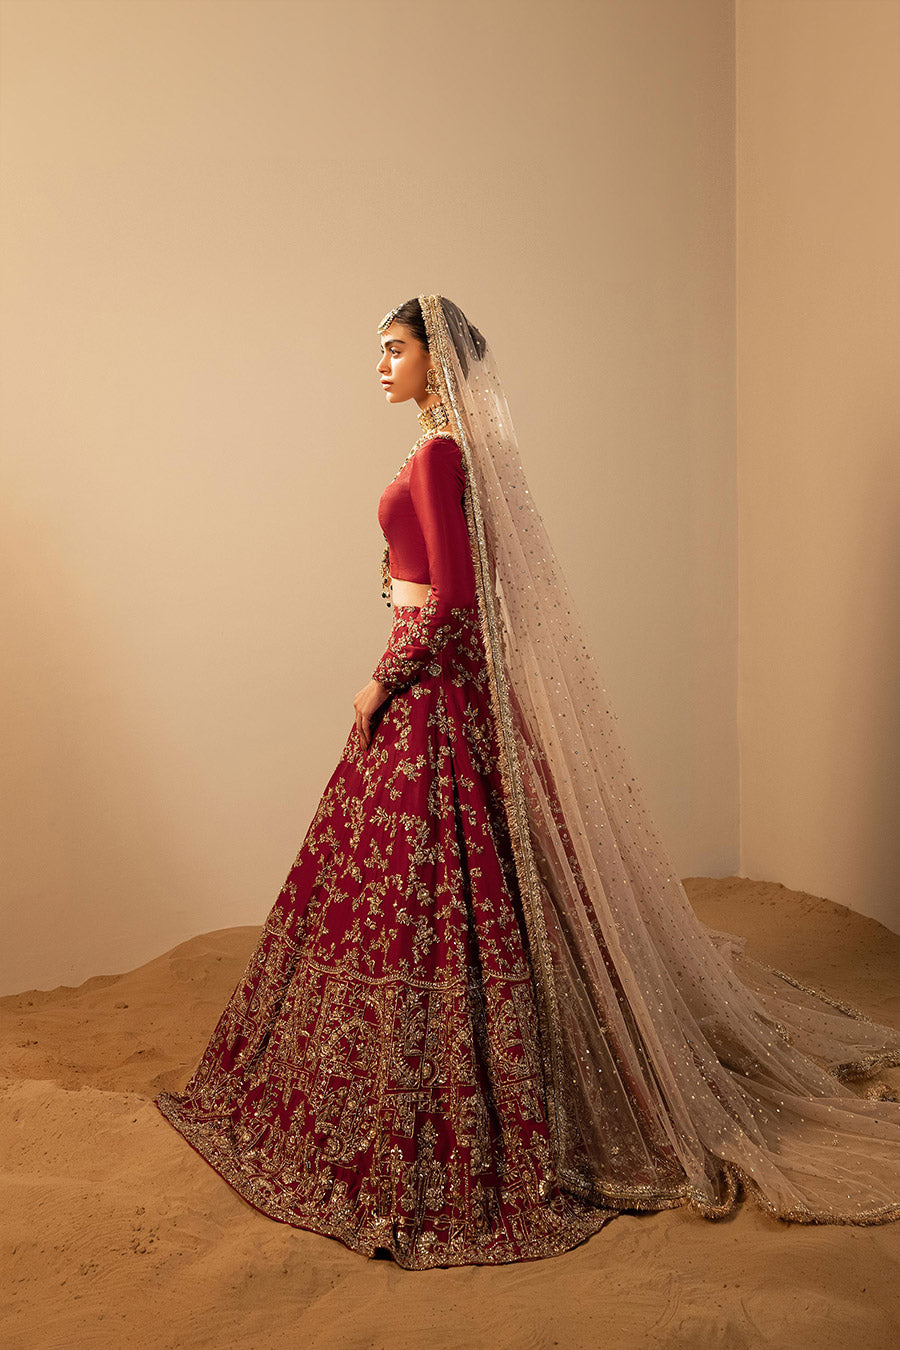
678,1070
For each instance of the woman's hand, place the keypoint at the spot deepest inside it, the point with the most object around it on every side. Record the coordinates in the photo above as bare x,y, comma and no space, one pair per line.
367,701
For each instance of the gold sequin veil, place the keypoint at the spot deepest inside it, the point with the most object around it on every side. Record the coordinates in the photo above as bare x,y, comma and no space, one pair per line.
676,1067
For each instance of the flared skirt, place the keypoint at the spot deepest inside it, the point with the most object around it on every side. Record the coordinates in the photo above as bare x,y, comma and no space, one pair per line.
376,1074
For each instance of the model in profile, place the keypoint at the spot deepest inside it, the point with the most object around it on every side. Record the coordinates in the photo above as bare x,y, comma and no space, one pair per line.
482,1017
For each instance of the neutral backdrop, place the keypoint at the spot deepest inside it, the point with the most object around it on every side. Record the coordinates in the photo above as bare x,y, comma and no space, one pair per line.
677,223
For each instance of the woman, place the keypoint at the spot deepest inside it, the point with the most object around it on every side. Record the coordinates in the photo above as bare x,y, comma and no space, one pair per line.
482,1017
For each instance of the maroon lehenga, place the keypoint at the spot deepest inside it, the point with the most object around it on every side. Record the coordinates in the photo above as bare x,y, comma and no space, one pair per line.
376,1074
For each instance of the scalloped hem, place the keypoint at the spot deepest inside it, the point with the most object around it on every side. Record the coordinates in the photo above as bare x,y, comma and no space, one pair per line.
558,1230
546,1232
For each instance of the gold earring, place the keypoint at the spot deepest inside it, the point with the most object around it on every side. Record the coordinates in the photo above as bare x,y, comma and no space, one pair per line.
431,381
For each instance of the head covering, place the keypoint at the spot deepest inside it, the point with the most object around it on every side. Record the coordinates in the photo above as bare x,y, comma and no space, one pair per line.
678,1070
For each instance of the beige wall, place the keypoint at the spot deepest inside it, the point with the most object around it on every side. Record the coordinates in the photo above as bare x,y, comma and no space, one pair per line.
818,253
208,208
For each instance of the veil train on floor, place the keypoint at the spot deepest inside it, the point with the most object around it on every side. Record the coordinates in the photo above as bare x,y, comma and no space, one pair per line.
678,1068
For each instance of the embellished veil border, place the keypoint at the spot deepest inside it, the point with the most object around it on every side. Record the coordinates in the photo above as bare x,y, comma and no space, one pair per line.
677,1068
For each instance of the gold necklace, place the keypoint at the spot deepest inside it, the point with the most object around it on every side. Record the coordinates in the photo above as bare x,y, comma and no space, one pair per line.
433,417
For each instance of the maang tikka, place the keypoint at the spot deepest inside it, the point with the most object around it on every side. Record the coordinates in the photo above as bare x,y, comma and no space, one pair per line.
388,318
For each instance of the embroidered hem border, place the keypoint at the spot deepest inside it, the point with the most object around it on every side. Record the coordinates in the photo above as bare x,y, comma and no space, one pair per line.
554,1230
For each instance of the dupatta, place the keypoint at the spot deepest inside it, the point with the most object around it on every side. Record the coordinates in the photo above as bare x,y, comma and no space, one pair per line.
678,1069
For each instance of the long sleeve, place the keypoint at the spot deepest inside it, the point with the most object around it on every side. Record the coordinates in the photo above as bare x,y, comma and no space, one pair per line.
436,484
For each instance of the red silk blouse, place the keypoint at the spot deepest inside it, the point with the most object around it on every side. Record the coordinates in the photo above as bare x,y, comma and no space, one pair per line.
422,515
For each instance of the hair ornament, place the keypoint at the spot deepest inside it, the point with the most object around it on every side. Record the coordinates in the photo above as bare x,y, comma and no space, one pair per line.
388,318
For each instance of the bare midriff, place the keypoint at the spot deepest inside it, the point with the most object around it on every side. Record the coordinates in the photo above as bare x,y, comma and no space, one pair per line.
409,592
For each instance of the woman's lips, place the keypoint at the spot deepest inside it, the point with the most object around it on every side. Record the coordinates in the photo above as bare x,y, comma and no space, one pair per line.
387,383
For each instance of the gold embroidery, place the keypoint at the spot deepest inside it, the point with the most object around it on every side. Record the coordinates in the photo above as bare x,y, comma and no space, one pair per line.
417,627
376,1075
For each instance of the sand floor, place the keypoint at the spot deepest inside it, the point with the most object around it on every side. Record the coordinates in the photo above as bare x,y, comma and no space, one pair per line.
117,1234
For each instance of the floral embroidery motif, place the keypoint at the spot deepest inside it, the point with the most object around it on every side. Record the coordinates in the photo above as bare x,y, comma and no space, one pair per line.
375,1075
416,637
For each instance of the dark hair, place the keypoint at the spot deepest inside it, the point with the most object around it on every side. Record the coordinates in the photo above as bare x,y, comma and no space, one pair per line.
410,314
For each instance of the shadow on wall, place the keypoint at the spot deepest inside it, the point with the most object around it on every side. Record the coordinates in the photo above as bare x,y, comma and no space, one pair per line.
875,599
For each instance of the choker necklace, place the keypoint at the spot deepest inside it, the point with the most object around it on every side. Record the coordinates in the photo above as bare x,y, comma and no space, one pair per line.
431,418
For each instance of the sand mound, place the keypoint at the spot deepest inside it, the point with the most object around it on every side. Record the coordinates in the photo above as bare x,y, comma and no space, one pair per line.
116,1233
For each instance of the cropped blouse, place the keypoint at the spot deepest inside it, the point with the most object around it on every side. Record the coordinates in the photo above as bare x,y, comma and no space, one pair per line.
423,519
